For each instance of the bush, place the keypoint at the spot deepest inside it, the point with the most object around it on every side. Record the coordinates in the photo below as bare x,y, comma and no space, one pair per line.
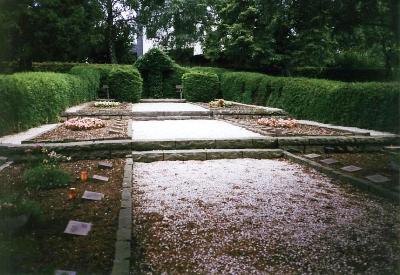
199,86
125,85
160,74
45,177
14,206
370,105
57,67
31,99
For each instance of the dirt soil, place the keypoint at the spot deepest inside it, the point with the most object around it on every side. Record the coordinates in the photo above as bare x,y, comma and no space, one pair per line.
62,134
257,217
371,164
300,130
44,247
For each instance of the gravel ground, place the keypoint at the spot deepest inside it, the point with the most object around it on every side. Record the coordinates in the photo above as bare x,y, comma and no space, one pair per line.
188,129
300,130
257,217
122,106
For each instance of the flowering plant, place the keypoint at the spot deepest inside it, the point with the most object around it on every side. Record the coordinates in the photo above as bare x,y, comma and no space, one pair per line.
219,103
278,122
85,123
52,158
106,104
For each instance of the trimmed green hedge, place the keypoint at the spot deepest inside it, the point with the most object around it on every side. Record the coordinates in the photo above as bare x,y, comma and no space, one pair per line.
57,67
199,86
370,105
31,99
117,91
125,85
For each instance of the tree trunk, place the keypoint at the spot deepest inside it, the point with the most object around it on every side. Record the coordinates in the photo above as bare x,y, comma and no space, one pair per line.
110,33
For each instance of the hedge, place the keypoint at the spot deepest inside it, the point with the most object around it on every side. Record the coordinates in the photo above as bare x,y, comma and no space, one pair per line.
125,85
57,67
31,99
117,91
370,105
199,86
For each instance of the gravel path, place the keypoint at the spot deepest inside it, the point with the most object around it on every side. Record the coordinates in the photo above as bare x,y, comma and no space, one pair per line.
256,217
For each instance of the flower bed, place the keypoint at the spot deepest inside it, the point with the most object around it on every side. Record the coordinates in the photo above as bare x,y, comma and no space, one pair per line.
85,123
106,104
28,251
63,134
278,122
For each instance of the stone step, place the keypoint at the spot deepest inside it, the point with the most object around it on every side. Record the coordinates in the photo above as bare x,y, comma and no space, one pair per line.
205,154
162,100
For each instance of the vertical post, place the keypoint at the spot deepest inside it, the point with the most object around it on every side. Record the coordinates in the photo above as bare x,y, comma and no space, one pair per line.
139,36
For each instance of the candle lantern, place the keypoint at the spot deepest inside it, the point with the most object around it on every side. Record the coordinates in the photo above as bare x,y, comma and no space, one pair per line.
84,175
72,193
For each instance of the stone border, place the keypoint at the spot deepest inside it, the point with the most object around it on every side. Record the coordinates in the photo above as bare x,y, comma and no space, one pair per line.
357,182
5,165
119,148
205,154
162,100
121,264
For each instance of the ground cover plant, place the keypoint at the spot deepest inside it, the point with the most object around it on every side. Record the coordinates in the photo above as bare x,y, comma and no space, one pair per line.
85,123
26,251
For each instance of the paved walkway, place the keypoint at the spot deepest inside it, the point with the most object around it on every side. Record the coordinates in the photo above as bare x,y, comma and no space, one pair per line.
166,107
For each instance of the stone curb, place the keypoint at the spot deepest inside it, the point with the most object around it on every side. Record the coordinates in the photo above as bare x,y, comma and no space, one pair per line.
205,154
121,264
5,165
357,182
120,148
162,100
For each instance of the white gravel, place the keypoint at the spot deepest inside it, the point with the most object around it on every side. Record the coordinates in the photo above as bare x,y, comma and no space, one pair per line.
257,217
166,107
188,129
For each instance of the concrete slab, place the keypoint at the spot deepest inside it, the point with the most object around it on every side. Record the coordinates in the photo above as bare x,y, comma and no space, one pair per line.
166,107
29,134
188,129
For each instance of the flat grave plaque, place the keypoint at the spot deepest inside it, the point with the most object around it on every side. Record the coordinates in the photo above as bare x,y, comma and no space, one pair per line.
94,196
113,131
78,228
107,165
329,161
312,156
64,272
100,178
377,178
351,168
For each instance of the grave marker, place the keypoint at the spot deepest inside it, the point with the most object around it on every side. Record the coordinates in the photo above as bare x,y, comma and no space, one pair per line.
64,272
329,161
94,196
105,165
78,228
351,168
312,156
377,178
100,178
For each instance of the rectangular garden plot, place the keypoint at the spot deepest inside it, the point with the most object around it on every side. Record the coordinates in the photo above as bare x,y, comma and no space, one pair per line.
256,217
230,108
113,129
41,247
297,130
102,108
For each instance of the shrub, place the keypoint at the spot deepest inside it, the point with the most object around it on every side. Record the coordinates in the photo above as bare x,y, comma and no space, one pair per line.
125,85
160,74
14,206
57,67
199,86
31,99
45,177
370,105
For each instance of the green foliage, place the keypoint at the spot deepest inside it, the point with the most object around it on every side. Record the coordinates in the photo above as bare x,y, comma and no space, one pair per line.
14,206
367,105
44,177
160,74
199,86
57,67
31,99
125,85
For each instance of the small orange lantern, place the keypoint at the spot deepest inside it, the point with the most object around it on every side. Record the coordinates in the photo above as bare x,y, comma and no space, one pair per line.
72,193
84,175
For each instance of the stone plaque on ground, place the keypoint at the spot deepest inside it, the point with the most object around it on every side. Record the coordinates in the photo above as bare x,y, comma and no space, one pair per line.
100,178
351,168
329,161
64,272
107,165
112,131
377,178
312,156
94,196
78,228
